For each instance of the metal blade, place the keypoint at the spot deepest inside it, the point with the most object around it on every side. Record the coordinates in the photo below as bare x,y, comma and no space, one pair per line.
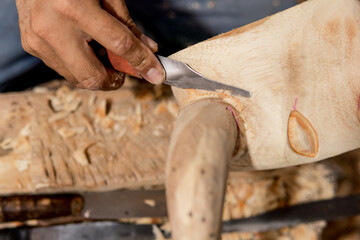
124,204
181,75
303,213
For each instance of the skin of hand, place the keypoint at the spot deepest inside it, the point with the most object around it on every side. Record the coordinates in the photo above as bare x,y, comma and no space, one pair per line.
59,32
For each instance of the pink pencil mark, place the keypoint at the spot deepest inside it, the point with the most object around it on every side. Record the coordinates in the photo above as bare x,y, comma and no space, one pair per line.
234,115
294,106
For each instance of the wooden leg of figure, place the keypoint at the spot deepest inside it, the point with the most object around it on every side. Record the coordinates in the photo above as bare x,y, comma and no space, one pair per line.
201,148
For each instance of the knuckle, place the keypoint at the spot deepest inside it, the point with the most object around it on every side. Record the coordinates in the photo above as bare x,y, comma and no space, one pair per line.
39,28
129,22
25,45
124,45
64,7
94,81
142,62
31,44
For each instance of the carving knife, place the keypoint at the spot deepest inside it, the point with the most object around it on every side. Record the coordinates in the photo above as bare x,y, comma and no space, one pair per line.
178,74
84,205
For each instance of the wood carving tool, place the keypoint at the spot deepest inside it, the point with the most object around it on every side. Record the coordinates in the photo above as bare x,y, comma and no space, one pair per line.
88,205
178,74
329,209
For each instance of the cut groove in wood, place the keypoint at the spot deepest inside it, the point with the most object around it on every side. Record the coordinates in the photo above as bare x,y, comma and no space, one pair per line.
302,136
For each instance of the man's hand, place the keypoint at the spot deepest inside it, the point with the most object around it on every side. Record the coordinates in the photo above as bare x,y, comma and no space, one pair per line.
58,32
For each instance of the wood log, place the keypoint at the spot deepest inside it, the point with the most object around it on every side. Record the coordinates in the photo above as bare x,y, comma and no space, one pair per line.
197,167
302,68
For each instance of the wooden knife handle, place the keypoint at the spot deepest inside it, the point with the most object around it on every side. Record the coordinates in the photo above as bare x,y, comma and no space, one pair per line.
121,64
26,207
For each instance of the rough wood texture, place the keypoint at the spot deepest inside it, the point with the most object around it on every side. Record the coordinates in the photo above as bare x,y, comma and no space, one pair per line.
200,151
72,139
303,59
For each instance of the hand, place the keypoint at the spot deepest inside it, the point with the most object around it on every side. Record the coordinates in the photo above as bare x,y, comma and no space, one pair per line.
59,32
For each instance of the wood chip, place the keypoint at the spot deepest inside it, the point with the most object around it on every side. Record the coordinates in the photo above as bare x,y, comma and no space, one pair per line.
100,110
173,109
92,100
66,132
56,104
160,108
80,157
150,202
7,144
72,103
158,234
40,90
138,114
58,116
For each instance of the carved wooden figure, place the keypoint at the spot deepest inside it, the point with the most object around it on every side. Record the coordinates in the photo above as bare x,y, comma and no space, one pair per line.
302,67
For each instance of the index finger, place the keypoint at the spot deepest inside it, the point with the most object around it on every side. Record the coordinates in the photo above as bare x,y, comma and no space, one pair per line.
116,37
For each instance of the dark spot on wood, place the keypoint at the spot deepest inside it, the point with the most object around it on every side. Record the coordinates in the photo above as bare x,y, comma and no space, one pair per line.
212,235
202,171
108,106
190,214
203,219
126,213
14,103
173,169
50,106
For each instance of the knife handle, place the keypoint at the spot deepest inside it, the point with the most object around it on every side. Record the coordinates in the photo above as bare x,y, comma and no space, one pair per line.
121,64
26,207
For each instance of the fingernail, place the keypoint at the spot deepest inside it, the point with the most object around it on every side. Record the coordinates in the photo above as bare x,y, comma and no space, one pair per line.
149,42
155,76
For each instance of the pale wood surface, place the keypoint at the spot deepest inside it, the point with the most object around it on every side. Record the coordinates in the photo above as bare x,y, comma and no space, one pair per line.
201,147
92,147
304,59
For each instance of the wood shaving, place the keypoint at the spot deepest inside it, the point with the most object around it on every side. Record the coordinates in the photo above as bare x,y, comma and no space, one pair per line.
56,104
87,124
87,214
158,234
107,123
158,130
150,202
66,132
100,110
58,116
25,131
7,144
92,100
173,109
227,92
65,100
80,157
73,103
117,118
160,108
138,114
40,90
